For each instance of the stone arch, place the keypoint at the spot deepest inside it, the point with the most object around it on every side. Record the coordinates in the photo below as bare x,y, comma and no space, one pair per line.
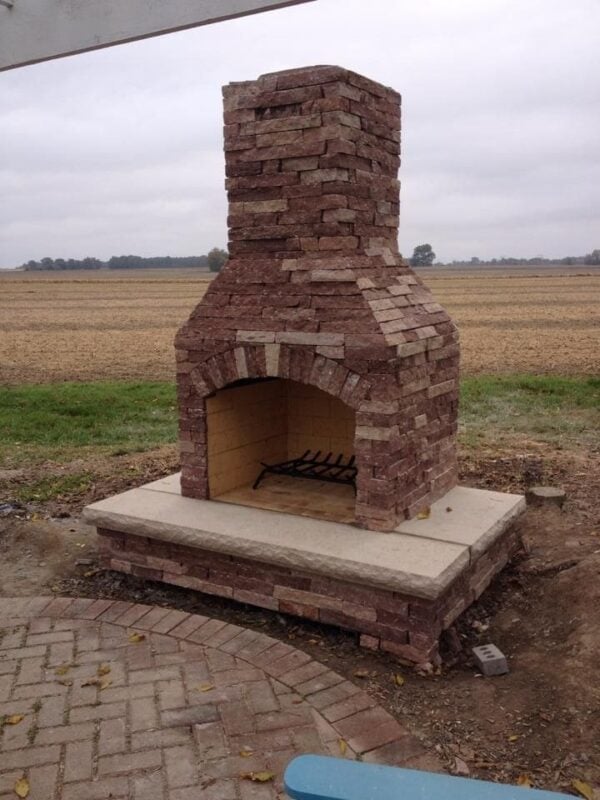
255,361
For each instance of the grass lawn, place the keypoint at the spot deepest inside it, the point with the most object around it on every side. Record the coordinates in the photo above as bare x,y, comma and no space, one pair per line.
63,422
560,411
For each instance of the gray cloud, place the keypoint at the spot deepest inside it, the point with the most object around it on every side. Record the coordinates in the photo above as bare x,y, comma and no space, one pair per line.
120,150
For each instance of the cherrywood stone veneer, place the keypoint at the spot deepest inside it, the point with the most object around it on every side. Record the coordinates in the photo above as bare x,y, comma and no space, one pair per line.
315,290
402,624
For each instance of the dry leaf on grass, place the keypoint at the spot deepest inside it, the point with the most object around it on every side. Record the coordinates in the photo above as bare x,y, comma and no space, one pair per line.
583,788
14,719
136,638
261,777
22,787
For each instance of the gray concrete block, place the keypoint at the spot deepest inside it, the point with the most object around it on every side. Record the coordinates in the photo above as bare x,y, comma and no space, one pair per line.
490,659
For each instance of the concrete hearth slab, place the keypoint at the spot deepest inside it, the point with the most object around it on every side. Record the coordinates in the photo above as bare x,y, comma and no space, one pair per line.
473,517
415,561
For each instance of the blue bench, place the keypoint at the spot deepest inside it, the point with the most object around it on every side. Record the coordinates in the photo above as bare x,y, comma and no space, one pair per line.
325,778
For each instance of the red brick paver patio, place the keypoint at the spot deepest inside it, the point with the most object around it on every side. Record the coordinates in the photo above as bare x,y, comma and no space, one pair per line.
132,701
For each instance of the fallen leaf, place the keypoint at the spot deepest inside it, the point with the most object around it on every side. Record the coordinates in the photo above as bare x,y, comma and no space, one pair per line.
246,753
205,687
14,719
62,670
101,683
261,777
361,673
90,573
66,682
461,767
524,780
513,738
448,509
22,787
103,669
583,788
135,638
399,679
425,514
467,752
343,746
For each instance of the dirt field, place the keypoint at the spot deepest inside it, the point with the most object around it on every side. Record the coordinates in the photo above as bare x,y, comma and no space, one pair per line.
109,324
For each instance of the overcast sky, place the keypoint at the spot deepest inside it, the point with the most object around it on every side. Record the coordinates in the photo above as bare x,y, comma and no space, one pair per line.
120,151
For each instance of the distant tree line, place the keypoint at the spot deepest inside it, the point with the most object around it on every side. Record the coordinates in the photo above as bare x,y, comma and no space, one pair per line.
212,261
423,256
157,262
592,258
64,263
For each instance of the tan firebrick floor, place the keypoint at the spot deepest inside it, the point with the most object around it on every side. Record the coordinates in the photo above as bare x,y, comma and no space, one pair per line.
130,701
300,496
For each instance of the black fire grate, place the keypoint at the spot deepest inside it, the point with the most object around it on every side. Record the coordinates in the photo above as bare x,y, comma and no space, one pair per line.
315,467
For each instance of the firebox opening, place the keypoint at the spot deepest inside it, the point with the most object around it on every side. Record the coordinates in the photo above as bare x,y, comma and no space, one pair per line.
271,421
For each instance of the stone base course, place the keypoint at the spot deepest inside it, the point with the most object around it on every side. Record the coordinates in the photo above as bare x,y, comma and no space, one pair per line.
186,709
405,625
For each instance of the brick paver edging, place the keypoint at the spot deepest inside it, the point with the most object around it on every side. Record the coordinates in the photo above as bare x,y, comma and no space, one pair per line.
192,703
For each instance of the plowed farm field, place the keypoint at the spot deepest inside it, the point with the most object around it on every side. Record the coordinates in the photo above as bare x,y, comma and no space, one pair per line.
111,325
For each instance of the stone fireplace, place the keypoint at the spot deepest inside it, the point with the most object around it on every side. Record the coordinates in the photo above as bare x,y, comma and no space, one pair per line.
317,335
318,339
